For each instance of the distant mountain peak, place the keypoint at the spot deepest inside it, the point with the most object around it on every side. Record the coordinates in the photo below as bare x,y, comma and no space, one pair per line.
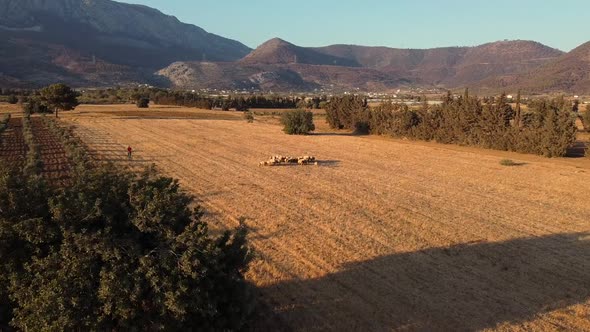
279,51
276,41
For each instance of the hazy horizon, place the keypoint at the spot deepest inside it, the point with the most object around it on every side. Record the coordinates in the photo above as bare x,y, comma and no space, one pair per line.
424,24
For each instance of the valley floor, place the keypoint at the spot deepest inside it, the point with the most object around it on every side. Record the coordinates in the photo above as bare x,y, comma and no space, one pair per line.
383,234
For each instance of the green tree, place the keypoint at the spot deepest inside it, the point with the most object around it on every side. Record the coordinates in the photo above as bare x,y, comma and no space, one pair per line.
586,118
59,97
143,102
113,251
298,122
34,105
517,111
12,99
576,106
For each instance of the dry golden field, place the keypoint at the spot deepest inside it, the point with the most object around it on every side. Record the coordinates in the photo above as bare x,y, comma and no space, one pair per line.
382,235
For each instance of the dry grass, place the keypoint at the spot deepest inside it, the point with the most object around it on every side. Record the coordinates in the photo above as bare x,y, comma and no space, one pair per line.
384,235
9,108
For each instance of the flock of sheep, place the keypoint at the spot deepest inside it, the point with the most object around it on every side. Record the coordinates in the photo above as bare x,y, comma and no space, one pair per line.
278,160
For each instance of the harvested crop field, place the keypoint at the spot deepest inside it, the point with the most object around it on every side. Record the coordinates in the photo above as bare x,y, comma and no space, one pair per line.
383,234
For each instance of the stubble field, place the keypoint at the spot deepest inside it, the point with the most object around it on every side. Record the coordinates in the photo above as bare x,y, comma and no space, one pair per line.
383,234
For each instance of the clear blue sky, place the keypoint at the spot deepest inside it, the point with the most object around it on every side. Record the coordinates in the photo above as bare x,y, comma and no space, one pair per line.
404,24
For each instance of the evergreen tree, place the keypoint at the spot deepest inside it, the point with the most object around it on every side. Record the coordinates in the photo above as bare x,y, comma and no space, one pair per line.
59,97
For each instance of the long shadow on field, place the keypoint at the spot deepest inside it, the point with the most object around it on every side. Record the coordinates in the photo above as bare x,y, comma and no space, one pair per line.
465,287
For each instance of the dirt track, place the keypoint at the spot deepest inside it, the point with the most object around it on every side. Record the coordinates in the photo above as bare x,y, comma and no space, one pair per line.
383,235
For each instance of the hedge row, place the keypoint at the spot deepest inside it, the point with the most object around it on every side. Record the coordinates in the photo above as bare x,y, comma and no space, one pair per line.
4,122
34,164
72,145
547,128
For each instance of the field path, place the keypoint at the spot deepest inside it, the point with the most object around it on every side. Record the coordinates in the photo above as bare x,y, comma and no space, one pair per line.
383,235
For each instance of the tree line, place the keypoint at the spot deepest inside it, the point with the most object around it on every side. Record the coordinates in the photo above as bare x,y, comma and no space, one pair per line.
546,127
240,103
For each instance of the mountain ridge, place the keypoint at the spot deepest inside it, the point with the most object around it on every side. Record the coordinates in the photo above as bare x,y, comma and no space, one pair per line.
116,43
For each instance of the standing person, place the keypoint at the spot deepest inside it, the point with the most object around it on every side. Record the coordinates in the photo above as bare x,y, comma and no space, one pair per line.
129,151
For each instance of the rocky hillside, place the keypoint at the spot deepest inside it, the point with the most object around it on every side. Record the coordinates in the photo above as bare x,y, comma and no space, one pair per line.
105,43
279,64
570,72
450,66
86,38
276,77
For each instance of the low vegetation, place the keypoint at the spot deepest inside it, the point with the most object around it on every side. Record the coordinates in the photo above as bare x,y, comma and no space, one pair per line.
298,122
249,116
508,162
4,122
586,118
547,128
34,164
35,105
143,102
12,99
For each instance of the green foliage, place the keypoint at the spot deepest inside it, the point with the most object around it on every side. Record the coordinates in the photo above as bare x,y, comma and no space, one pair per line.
249,116
298,122
508,162
547,128
576,106
4,122
114,251
72,146
347,112
586,118
12,99
143,102
34,105
59,97
34,164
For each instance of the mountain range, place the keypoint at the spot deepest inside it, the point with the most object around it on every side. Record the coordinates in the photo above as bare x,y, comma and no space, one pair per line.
91,43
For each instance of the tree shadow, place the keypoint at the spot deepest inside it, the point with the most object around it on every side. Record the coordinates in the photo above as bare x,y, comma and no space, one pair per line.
578,150
460,288
336,134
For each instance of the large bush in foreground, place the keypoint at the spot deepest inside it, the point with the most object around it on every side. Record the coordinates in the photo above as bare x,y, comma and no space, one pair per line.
298,122
115,252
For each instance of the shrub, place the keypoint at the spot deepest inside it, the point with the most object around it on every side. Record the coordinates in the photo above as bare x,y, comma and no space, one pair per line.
34,164
143,102
115,251
586,118
12,99
298,122
249,116
507,162
35,105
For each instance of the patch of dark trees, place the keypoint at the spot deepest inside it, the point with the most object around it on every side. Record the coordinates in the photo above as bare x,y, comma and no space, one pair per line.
547,127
